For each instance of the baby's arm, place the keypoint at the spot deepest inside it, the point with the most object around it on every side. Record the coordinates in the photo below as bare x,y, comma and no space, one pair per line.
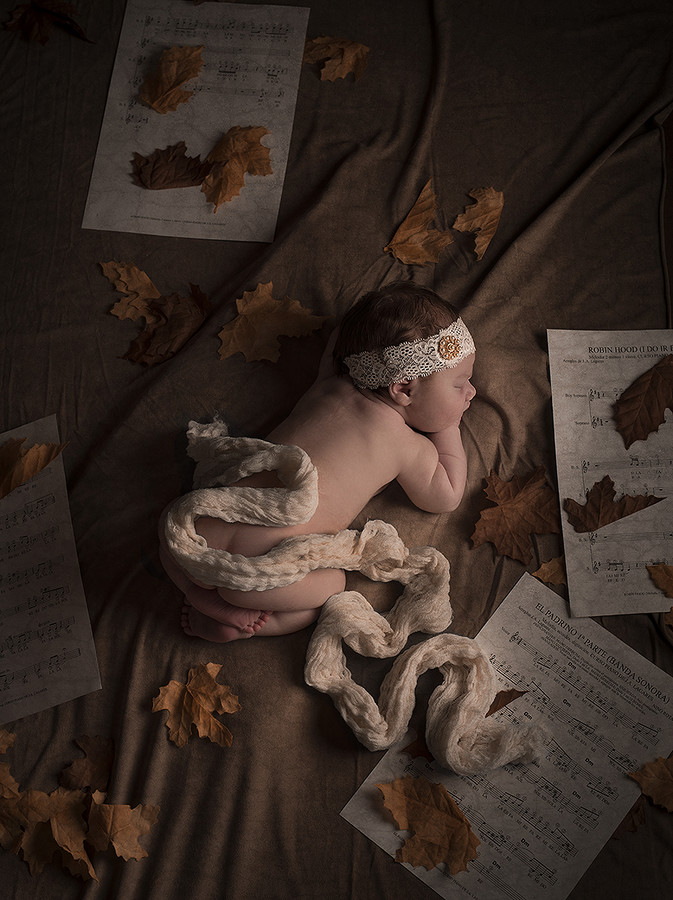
434,477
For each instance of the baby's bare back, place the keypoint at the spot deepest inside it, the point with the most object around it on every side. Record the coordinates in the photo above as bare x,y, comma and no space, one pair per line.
356,443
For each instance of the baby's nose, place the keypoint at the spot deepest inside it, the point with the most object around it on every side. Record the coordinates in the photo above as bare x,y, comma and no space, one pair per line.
472,391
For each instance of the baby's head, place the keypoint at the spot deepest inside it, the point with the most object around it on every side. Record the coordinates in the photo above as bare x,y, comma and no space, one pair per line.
382,338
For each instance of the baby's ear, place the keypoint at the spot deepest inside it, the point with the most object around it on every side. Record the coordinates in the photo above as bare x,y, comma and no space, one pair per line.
400,392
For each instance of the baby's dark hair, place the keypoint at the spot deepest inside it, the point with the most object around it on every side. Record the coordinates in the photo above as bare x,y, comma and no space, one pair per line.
399,312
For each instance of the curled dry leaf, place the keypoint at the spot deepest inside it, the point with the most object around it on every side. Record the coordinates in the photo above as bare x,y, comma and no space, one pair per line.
662,576
503,698
34,20
482,217
440,833
632,821
18,464
239,152
170,320
418,748
656,781
641,408
415,242
6,740
337,57
119,825
261,320
601,508
553,571
162,87
526,505
92,772
169,168
195,705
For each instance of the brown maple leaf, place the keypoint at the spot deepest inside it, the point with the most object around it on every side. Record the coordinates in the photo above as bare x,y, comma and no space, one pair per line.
170,320
195,704
662,576
162,88
336,57
553,571
418,748
415,242
601,508
439,830
169,168
525,505
119,825
482,217
640,409
18,465
34,20
93,770
239,152
634,818
503,698
261,320
6,740
656,781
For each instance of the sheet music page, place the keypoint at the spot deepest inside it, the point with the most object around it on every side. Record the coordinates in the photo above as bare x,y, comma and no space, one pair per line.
252,58
606,711
606,569
47,653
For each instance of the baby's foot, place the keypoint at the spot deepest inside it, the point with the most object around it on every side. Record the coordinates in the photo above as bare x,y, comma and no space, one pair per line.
196,624
214,607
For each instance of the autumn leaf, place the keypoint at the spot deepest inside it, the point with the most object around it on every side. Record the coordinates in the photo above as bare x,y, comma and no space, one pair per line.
6,740
260,321
120,826
18,465
601,508
640,409
439,830
502,699
415,242
34,20
482,217
634,818
553,571
337,57
169,168
195,704
526,505
656,781
162,87
662,576
239,152
170,320
93,770
418,748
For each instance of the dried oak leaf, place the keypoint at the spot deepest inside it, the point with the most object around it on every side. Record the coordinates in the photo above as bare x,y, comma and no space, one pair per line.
261,320
601,507
418,748
415,242
169,168
553,571
170,320
18,465
239,152
6,740
640,410
439,830
162,87
119,825
634,818
526,505
91,772
662,576
482,217
34,20
195,704
503,698
338,57
656,781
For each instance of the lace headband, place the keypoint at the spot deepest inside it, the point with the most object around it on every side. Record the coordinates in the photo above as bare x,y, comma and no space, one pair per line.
411,359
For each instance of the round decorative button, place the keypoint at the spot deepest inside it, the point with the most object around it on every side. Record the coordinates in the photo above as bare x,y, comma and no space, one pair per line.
448,347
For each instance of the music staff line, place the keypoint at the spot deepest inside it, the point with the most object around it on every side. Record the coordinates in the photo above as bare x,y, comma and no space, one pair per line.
17,643
30,511
49,597
27,542
40,669
567,674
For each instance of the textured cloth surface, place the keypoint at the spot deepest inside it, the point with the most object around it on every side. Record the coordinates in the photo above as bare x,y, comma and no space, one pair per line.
558,105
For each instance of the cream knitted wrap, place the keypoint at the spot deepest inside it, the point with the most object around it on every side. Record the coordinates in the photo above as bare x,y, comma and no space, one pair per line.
458,734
